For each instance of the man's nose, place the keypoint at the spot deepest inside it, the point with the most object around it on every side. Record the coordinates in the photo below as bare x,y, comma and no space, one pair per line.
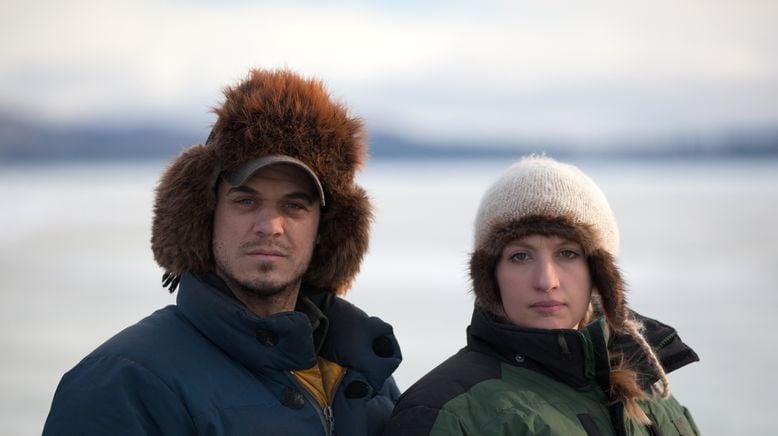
268,222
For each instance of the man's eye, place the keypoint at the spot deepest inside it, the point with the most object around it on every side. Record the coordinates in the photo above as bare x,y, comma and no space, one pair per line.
569,254
245,201
294,206
519,257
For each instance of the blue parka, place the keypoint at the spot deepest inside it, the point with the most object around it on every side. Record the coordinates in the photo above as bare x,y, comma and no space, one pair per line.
208,366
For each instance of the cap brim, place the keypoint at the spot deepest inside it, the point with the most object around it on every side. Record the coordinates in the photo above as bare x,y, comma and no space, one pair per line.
239,177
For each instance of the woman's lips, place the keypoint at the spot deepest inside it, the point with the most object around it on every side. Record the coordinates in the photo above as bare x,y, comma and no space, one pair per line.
547,307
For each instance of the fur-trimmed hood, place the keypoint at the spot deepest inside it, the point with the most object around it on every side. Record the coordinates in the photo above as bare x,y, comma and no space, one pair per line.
269,113
608,298
538,195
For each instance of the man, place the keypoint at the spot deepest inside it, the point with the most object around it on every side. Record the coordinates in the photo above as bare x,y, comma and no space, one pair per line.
260,229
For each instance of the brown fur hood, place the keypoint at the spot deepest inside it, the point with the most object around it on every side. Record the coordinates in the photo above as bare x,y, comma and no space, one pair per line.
270,112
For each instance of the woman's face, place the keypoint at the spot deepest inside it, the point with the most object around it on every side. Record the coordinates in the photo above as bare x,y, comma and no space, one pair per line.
544,282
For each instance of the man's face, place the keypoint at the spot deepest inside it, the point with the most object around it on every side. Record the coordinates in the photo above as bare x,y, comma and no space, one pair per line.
265,230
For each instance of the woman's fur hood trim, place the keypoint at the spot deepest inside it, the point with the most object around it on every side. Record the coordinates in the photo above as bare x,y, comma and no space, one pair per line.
268,113
608,298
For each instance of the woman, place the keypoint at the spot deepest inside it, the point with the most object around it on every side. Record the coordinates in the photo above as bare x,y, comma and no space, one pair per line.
552,347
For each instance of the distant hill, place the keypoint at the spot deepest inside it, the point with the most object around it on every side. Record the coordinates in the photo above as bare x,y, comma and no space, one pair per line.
26,141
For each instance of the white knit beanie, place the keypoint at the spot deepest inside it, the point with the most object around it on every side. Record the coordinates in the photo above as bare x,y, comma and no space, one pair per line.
539,185
538,195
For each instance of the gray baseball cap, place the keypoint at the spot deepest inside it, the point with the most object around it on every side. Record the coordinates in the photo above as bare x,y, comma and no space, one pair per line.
239,177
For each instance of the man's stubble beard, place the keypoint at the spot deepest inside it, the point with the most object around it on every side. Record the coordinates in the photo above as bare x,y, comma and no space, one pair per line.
258,288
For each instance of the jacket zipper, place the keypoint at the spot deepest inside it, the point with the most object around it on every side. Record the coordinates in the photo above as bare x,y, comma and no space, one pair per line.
330,418
326,414
326,424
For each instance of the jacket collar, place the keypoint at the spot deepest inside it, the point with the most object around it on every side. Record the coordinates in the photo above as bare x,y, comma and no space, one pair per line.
565,354
280,341
285,341
319,322
356,340
577,357
672,352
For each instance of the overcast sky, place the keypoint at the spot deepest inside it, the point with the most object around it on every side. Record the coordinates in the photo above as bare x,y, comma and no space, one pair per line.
503,70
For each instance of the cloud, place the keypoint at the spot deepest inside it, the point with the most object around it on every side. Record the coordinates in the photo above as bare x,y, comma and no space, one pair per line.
544,69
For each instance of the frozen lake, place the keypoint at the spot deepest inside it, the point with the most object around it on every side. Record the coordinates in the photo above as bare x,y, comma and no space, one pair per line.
699,250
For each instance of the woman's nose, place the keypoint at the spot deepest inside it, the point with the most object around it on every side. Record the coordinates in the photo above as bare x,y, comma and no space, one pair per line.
546,277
